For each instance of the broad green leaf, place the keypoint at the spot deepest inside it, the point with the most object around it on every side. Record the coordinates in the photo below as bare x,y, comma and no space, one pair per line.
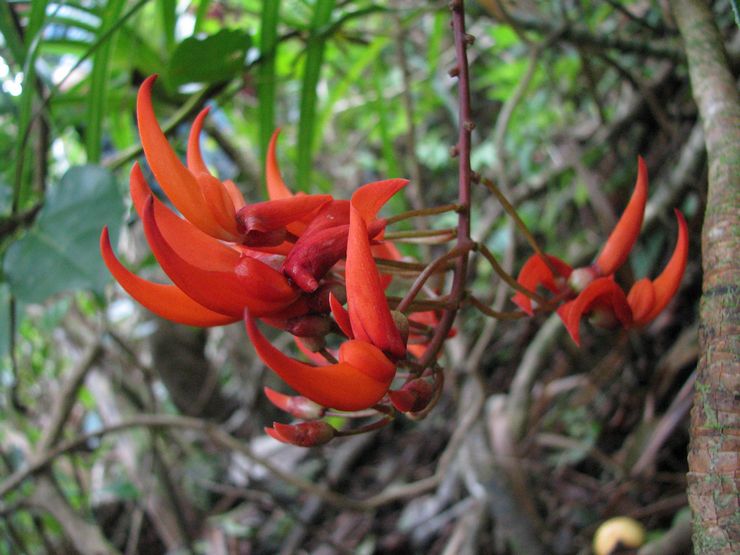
212,59
60,252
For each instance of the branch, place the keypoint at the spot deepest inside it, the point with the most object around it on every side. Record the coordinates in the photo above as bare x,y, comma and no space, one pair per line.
462,149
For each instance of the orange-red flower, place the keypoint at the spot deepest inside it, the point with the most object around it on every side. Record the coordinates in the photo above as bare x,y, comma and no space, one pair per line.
214,253
324,241
365,367
593,290
217,208
213,281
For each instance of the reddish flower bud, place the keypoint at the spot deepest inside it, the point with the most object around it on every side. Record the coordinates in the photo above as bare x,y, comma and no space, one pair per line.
311,344
402,323
312,325
295,405
303,434
413,396
319,300
263,224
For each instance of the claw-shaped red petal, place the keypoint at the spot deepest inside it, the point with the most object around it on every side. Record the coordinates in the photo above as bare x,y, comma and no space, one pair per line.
534,273
195,161
602,292
641,299
175,179
220,205
216,276
667,283
276,188
371,197
341,316
368,308
358,381
167,301
623,236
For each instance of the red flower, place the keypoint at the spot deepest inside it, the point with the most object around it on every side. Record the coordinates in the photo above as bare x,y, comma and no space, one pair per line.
216,208
212,254
324,241
365,369
593,290
214,281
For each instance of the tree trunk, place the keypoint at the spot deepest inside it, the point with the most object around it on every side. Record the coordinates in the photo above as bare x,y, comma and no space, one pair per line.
715,419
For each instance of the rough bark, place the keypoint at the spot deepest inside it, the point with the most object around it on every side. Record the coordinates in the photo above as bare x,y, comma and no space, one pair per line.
715,419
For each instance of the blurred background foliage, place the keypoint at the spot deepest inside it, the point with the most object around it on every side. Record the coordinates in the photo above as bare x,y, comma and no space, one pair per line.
566,94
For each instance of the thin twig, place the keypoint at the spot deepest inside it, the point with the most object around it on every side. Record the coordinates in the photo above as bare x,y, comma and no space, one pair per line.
431,269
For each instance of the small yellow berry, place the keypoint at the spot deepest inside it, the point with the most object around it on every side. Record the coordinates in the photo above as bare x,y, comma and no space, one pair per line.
618,531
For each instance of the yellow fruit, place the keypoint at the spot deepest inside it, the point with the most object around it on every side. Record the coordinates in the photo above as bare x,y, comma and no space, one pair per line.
618,531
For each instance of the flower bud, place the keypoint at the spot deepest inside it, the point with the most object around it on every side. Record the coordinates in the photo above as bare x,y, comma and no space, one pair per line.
617,533
580,278
303,434
319,300
295,405
413,396
314,344
311,325
402,323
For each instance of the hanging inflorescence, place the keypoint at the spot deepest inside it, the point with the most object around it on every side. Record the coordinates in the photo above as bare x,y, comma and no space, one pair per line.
322,269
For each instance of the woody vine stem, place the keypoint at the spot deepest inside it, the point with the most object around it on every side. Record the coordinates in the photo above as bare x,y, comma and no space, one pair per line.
462,151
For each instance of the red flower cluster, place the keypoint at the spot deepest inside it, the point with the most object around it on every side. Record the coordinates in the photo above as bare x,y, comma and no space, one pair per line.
279,261
592,289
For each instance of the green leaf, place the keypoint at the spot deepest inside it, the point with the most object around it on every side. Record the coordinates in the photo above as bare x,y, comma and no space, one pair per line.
202,13
99,83
9,31
266,74
168,12
60,252
212,59
312,71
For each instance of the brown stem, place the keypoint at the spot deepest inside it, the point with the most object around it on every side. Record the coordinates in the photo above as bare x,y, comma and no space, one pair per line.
465,128
521,226
503,274
429,271
382,423
488,311
423,212
446,234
